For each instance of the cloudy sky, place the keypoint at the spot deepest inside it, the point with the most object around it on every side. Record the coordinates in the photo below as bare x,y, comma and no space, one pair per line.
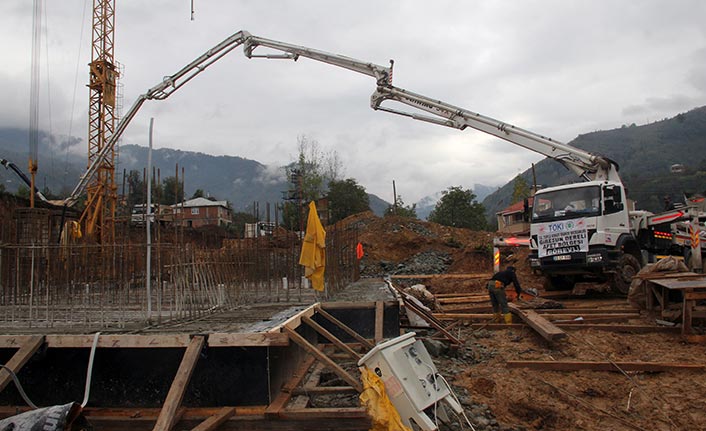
559,68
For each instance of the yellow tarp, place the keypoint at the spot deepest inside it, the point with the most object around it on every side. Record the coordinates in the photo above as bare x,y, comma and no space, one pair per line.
383,414
313,255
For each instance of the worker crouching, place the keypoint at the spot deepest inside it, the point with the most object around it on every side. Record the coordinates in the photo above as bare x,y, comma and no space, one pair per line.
498,298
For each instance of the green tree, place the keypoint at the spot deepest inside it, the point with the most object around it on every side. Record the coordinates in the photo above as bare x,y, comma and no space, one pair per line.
345,198
309,177
136,188
458,207
401,210
22,191
239,220
199,193
173,192
520,189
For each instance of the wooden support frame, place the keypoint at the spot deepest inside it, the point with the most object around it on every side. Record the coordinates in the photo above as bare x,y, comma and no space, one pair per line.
344,327
20,358
318,354
215,420
285,394
168,416
379,320
332,338
424,314
604,366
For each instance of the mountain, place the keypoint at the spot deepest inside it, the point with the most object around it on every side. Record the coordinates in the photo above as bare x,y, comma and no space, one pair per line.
241,181
426,204
645,154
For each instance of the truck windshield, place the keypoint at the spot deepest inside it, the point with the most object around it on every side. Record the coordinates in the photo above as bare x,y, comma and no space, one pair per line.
567,203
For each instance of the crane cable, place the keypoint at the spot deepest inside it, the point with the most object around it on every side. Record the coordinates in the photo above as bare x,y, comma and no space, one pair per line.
73,99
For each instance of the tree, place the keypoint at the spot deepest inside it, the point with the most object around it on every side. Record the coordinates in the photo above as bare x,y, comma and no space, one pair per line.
309,176
136,189
239,220
458,207
173,191
199,193
401,210
520,190
22,191
345,198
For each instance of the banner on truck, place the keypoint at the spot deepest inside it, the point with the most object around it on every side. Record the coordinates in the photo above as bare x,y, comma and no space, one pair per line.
562,237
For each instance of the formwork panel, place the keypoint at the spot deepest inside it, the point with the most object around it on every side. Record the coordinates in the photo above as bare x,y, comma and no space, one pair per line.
141,377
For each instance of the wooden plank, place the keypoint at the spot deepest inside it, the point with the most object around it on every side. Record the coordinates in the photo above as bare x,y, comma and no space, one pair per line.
253,339
463,316
441,276
572,316
119,341
344,327
340,412
695,295
324,390
167,417
332,338
379,320
318,354
299,402
216,420
348,305
295,320
20,358
604,366
285,394
546,329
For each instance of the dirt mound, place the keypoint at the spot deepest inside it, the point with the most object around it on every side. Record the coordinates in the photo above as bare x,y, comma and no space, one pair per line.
399,245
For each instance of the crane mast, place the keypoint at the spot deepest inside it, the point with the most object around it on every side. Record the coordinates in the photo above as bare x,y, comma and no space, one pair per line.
99,215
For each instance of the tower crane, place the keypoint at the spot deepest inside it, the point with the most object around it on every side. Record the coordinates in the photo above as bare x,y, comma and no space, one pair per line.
99,215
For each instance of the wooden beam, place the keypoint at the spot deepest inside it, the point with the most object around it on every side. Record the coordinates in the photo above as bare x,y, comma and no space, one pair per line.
20,358
118,341
379,320
324,390
432,276
216,420
368,345
167,417
632,329
546,329
318,354
295,320
332,338
604,366
285,394
249,339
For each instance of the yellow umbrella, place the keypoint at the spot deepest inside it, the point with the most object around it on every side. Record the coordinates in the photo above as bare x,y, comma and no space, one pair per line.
313,255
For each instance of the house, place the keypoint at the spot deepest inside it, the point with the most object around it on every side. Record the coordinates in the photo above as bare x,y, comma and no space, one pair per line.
512,221
200,212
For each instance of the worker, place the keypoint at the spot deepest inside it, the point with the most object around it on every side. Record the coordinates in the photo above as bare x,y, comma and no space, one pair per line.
496,290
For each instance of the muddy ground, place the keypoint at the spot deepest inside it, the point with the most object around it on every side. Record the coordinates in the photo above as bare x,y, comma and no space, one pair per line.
523,399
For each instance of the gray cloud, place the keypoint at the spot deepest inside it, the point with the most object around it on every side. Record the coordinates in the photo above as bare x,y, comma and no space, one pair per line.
558,68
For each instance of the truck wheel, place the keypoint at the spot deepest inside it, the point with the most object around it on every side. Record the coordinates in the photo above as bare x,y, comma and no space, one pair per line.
628,267
558,282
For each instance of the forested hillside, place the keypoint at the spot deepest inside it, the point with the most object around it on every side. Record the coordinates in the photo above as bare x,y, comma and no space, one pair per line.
645,155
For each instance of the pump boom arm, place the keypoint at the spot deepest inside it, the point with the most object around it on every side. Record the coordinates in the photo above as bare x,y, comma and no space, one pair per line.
172,83
584,164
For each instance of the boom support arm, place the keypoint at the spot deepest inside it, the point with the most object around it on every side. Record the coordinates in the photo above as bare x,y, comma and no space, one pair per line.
170,84
584,164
